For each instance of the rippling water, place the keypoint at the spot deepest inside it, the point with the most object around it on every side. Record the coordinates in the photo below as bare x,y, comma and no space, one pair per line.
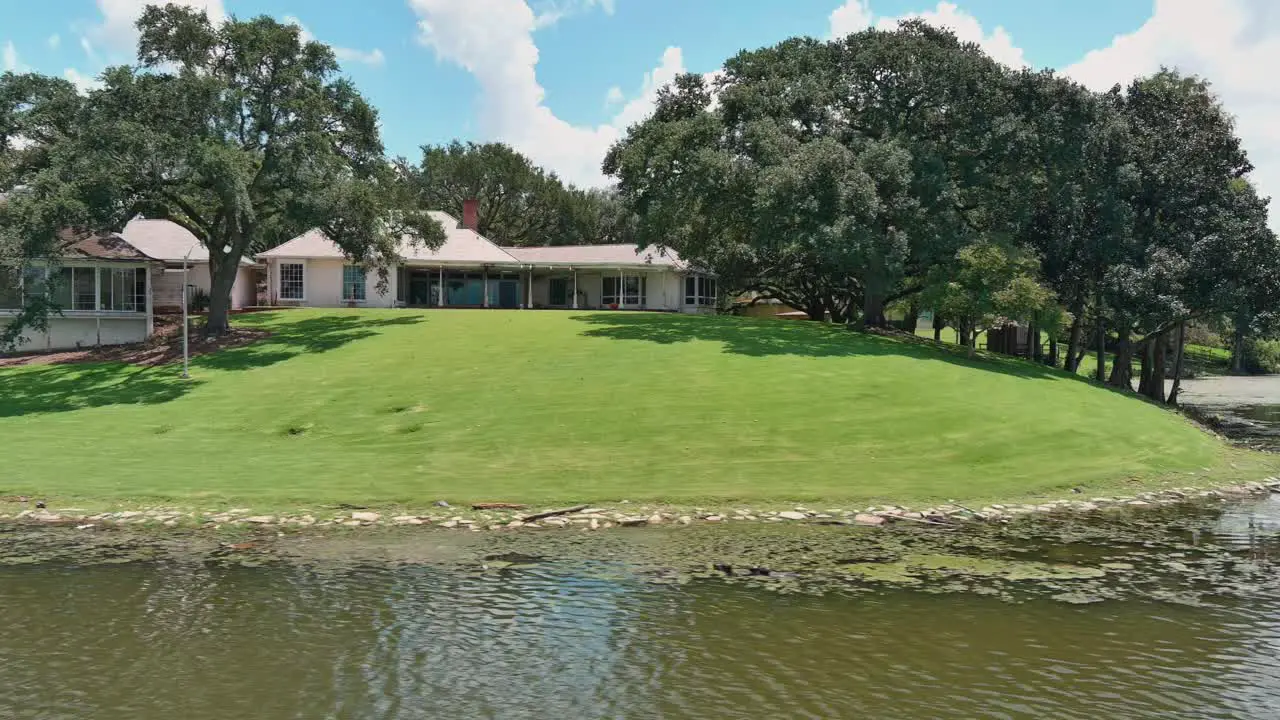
190,639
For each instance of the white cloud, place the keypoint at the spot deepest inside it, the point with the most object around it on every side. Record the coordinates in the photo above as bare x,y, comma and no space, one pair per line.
54,42
116,31
851,17
367,57
855,15
614,96
549,12
493,40
1235,45
9,58
84,83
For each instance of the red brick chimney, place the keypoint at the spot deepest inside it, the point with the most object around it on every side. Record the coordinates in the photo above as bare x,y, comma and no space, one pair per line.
471,214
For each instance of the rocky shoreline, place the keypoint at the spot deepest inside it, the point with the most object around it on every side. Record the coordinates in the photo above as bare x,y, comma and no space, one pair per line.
629,515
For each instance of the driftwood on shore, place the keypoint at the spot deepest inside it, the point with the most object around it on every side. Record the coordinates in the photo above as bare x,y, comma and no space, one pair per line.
553,513
498,506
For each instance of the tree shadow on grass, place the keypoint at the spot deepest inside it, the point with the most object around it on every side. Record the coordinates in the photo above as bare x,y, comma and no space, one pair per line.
62,388
761,337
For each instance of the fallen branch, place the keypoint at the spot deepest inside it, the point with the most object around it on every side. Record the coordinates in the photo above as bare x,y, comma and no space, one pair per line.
553,513
498,506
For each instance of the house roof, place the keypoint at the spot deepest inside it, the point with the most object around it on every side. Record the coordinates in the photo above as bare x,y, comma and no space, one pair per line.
77,244
166,240
467,247
610,255
461,246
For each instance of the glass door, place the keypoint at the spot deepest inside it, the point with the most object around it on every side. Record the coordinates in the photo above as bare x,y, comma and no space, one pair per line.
559,291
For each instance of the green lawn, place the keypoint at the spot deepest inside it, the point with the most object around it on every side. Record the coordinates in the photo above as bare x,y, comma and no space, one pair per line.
392,408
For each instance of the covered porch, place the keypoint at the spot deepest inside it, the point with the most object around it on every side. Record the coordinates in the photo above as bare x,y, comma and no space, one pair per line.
525,287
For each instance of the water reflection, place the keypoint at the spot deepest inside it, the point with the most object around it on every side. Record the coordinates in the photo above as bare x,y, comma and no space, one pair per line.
579,638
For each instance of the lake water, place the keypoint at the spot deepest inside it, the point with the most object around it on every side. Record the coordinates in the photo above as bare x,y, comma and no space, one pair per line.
444,624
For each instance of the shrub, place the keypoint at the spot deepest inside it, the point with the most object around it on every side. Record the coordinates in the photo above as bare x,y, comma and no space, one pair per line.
1262,356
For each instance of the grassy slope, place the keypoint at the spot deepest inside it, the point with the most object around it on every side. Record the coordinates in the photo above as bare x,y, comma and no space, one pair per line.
391,407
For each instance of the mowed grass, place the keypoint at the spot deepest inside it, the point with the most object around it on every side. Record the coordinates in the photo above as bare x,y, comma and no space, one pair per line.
401,408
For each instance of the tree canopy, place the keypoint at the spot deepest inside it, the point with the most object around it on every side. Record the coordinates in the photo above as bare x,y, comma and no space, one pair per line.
242,132
840,176
518,202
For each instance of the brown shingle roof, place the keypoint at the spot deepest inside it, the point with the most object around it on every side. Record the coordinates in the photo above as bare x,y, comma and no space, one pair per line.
81,244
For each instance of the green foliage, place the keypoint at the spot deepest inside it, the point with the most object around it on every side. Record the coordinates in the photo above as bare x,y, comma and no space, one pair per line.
243,133
988,284
1262,356
519,203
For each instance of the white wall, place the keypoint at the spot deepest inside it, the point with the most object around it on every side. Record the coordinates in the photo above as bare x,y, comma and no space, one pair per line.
167,286
322,285
69,333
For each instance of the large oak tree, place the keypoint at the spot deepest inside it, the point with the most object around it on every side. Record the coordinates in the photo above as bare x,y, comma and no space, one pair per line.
242,132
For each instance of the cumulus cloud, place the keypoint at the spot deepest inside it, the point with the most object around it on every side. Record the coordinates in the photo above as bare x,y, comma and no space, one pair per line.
54,42
365,57
855,15
852,16
9,58
614,96
1236,46
493,40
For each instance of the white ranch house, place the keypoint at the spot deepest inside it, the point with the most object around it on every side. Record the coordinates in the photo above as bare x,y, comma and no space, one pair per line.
470,271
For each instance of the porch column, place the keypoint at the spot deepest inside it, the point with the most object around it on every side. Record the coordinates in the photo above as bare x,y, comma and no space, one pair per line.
441,287
575,288
97,302
485,280
151,318
622,295
529,305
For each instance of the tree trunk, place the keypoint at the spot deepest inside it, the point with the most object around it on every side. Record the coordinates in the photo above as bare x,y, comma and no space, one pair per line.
1155,380
913,318
1144,376
1177,363
872,308
222,280
1237,351
1074,349
1053,350
1122,369
938,324
816,310
1100,373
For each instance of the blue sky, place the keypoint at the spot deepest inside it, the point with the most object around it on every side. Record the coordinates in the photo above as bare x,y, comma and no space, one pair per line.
561,79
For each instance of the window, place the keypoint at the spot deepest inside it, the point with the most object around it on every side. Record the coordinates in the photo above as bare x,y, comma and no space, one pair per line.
74,289
699,290
34,283
353,283
10,288
123,290
292,286
624,290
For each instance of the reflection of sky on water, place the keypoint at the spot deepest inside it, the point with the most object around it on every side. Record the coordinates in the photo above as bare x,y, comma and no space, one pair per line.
541,637
1254,524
